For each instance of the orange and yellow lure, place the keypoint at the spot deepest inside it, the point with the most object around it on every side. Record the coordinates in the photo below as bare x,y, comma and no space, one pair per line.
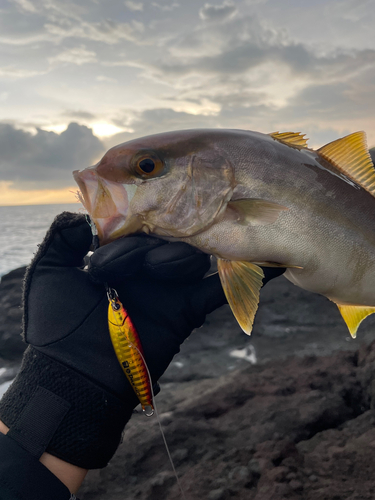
128,349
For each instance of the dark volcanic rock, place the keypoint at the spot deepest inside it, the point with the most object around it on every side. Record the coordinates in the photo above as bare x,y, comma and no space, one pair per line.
297,427
11,344
302,428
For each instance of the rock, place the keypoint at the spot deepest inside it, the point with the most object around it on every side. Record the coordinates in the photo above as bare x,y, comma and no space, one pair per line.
218,494
180,455
270,443
286,428
254,467
296,485
239,473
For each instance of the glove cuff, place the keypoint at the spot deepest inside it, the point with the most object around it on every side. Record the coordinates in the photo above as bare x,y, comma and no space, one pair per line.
50,407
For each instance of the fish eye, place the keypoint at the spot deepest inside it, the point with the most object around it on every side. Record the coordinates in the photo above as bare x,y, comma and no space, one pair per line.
148,165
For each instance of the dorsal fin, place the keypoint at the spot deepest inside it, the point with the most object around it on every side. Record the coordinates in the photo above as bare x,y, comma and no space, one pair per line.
293,139
351,157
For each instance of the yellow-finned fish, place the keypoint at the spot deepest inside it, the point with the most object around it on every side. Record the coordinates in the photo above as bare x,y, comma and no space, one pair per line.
251,200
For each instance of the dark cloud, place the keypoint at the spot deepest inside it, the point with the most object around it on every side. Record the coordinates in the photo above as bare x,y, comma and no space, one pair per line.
242,56
46,159
255,61
217,12
78,115
155,121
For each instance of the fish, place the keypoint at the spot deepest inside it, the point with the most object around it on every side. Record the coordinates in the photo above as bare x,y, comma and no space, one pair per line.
252,200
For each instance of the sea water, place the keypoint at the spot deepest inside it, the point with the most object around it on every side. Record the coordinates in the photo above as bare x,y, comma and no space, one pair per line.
22,228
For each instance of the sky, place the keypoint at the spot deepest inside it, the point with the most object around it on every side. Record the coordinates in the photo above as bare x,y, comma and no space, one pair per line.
78,77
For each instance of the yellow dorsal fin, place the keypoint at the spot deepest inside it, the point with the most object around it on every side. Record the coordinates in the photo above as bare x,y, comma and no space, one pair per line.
354,315
241,282
351,157
293,139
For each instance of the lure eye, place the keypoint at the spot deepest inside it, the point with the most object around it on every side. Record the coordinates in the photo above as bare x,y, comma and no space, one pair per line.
148,165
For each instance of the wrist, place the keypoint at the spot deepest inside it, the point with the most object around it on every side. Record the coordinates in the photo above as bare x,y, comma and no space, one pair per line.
70,475
51,408
3,428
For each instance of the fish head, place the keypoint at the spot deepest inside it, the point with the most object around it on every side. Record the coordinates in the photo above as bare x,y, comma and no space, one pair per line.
173,185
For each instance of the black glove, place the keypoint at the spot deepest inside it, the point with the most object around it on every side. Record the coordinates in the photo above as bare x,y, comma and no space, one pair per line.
71,397
71,388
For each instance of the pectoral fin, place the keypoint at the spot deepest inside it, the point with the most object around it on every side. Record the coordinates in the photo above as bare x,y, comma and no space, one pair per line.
354,315
277,264
241,282
254,211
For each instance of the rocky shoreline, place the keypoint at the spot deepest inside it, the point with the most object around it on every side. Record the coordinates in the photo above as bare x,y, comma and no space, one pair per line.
287,413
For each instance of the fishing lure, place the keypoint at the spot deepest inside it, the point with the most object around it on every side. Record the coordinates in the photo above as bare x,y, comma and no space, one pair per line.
129,352
128,349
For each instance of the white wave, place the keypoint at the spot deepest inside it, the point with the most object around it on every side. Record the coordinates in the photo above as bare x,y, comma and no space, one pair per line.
247,354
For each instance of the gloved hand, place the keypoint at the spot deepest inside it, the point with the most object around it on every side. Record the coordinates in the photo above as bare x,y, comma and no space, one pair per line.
71,393
71,382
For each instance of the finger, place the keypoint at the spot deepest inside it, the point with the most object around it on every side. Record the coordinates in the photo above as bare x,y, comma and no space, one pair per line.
207,296
66,243
272,272
121,259
176,262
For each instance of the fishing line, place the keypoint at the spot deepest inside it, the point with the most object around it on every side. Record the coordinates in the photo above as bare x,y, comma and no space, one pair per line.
112,295
160,427
112,292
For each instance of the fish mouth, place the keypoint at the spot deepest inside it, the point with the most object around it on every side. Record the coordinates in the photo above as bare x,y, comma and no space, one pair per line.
107,203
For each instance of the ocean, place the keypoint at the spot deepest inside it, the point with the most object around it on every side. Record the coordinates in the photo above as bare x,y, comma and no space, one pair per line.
22,228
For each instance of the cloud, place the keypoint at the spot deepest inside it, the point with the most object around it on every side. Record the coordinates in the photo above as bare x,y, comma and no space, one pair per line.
26,5
268,67
13,73
167,7
255,69
217,12
134,6
104,78
76,55
78,114
154,121
46,159
106,31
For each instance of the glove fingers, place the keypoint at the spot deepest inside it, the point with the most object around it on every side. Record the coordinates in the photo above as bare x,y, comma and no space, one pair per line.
272,272
121,259
207,296
148,257
66,243
176,262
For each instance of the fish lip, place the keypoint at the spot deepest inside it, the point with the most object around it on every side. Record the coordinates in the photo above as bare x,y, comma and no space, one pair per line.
82,178
107,203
